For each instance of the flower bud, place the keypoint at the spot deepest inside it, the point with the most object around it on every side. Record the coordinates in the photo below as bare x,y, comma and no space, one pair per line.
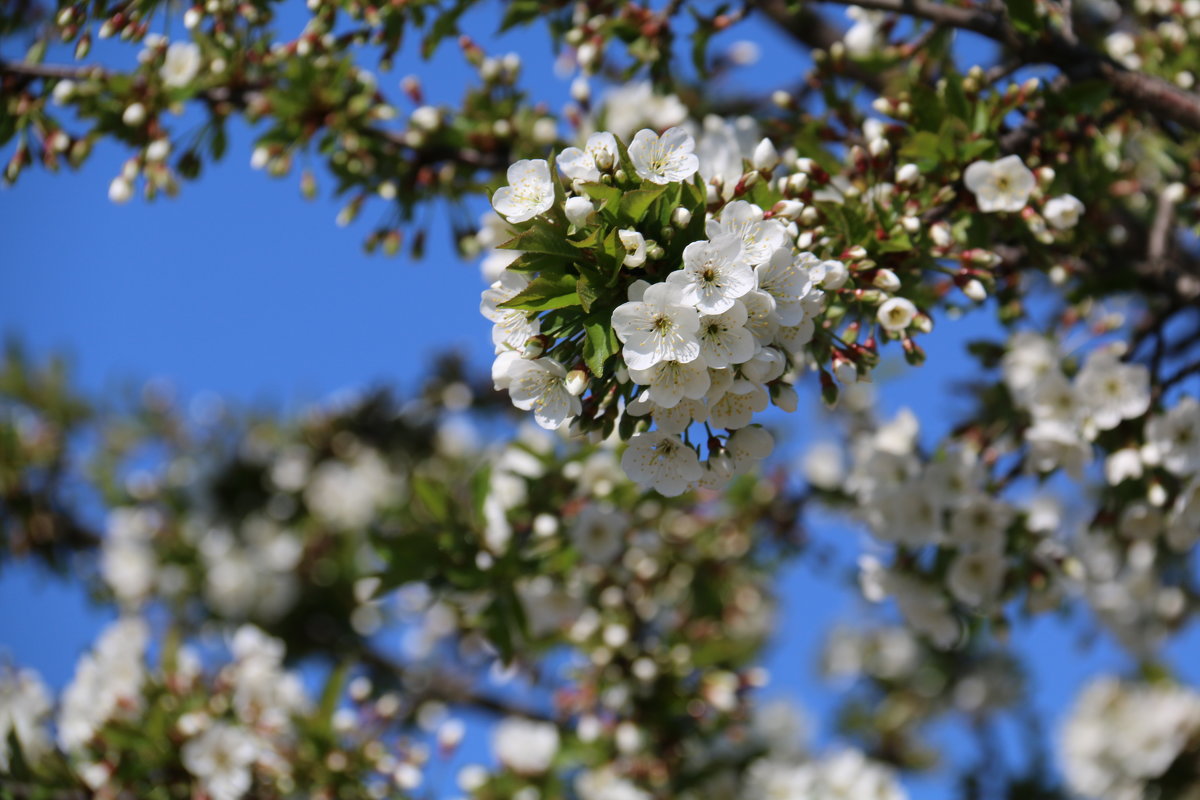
134,115
581,91
1045,176
882,105
192,17
427,118
534,347
975,290
856,252
788,209
120,190
713,196
805,166
681,217
577,382
578,209
635,246
604,159
879,147
797,183
785,397
781,99
846,372
886,280
940,233
908,174
765,157
836,275
910,224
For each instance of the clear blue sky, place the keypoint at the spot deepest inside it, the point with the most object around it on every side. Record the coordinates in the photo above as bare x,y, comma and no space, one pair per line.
242,288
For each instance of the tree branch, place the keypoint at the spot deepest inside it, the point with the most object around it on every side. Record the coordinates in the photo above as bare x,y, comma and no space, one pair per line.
1079,62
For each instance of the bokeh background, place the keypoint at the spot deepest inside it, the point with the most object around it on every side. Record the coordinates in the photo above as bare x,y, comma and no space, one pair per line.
241,291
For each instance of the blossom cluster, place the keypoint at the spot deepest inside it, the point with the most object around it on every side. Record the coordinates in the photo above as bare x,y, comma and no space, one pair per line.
1122,738
710,339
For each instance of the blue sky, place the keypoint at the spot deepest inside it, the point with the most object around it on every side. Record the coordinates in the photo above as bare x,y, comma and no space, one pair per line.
240,287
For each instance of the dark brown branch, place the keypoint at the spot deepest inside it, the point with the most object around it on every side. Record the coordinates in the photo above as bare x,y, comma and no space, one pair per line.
813,31
1138,90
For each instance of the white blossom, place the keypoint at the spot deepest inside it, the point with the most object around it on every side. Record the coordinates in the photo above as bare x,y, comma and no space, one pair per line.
896,314
525,746
785,276
714,275
664,159
1063,212
671,381
1003,185
760,237
661,461
540,385
530,191
724,338
25,707
513,327
1112,391
585,165
181,64
222,759
659,327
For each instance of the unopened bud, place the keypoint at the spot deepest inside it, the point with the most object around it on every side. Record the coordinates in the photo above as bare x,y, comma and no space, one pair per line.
681,217
797,183
1045,176
886,280
765,157
908,174
788,209
785,397
975,290
856,252
879,147
910,224
534,347
577,382
134,115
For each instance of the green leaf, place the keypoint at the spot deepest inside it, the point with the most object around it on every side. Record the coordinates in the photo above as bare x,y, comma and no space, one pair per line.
599,343
541,239
538,263
899,243
956,98
445,24
635,204
922,150
587,294
545,292
520,12
610,196
1024,17
432,496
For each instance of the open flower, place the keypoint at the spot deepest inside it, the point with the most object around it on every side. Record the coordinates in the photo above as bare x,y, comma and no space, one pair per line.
760,237
671,381
181,64
785,277
664,159
1003,185
221,758
661,461
724,338
896,313
600,153
1063,212
540,385
513,327
530,191
659,327
714,275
